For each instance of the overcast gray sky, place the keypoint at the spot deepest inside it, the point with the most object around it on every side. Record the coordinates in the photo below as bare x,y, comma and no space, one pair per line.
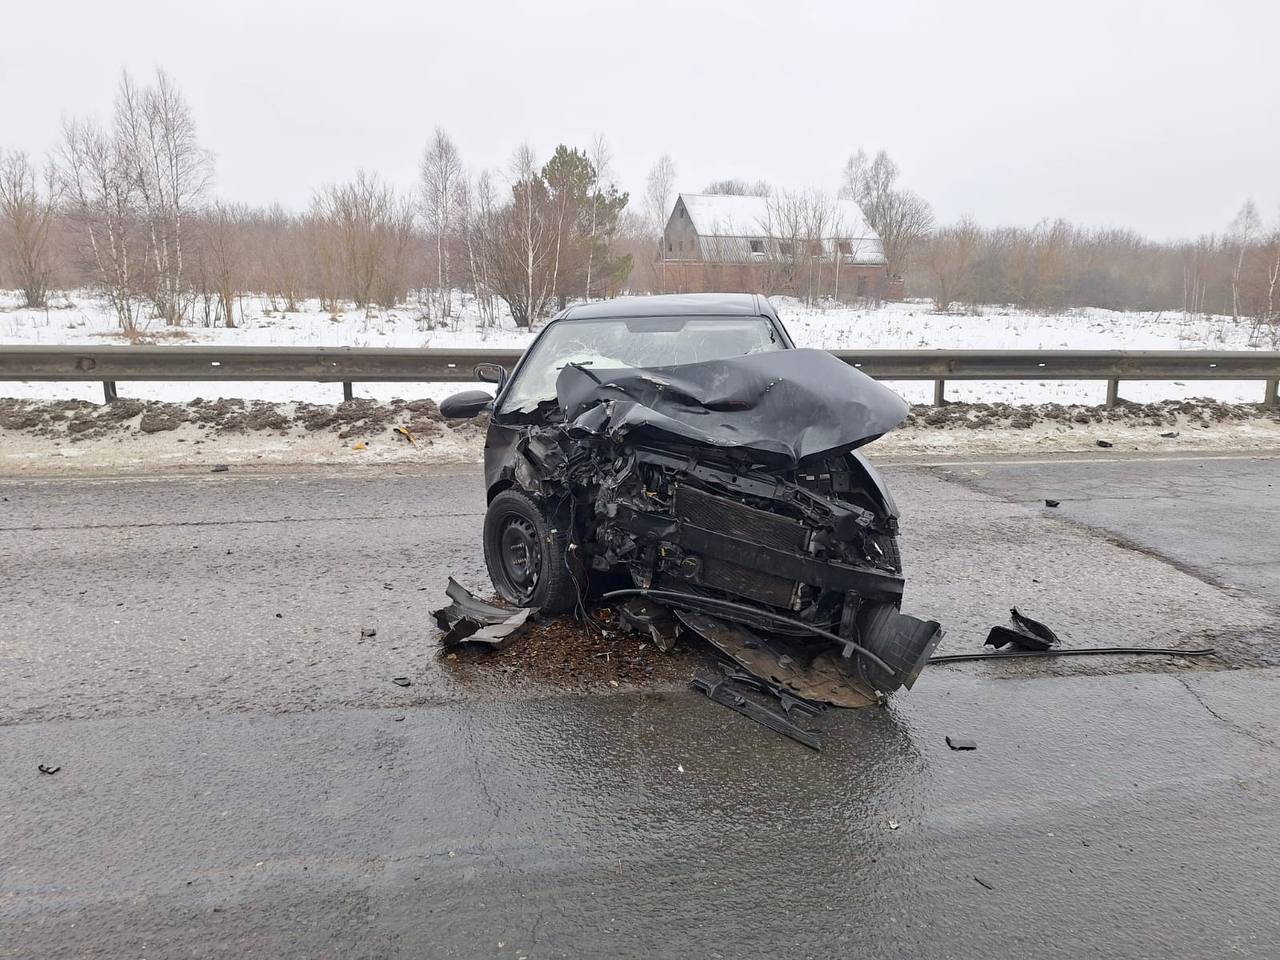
1162,116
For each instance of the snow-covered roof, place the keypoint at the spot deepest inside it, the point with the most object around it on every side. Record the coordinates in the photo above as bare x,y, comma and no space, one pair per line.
721,215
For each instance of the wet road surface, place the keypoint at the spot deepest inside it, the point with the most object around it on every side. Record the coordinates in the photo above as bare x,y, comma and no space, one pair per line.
238,784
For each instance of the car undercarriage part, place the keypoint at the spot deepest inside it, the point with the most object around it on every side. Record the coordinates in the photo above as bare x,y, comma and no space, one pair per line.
721,691
1024,634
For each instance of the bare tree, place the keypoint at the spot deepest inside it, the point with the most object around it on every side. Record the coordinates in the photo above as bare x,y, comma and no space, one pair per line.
221,261
28,202
95,176
441,181
734,187
950,258
364,229
600,159
659,190
1242,232
170,174
477,205
902,219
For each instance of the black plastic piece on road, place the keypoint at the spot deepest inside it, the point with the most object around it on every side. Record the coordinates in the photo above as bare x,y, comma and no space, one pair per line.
48,768
962,743
719,691
1074,652
1025,634
471,619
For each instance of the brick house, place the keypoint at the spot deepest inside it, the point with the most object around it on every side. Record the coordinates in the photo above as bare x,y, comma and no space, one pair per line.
734,244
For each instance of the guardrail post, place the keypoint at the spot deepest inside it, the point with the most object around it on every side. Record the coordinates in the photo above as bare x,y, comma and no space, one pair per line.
109,390
346,389
939,392
1113,392
1271,399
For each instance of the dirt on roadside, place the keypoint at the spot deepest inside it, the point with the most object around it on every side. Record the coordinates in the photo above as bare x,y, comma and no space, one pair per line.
79,420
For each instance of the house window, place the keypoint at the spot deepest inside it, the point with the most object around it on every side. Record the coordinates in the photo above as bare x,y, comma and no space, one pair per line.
757,247
845,247
815,248
784,247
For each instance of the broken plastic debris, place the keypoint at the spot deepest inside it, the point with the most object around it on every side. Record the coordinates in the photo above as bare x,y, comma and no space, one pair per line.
1052,503
401,681
1024,634
220,468
46,768
1104,443
962,743
721,691
368,632
471,619
893,824
404,432
360,446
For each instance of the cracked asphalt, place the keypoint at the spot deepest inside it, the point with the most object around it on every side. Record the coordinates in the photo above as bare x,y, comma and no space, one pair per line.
239,777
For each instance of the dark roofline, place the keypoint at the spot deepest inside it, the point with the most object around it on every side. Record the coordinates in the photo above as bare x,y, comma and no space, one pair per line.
674,305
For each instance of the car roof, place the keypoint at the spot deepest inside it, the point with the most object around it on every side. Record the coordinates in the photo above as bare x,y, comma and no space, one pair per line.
726,305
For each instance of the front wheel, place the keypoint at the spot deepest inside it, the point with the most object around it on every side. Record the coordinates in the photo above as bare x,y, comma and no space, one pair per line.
528,555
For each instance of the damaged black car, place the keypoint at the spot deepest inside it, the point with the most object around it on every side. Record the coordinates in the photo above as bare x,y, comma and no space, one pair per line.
679,458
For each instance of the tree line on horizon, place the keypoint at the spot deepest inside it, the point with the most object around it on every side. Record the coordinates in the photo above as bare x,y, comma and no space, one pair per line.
126,208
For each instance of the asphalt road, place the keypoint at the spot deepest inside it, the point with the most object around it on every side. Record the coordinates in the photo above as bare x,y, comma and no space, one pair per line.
235,783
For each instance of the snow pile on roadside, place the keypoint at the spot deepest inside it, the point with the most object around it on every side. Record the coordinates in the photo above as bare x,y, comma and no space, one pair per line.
40,438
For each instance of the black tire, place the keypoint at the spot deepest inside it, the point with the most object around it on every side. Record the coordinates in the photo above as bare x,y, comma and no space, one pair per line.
527,554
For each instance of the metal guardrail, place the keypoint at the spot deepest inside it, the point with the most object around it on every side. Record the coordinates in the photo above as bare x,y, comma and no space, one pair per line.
349,365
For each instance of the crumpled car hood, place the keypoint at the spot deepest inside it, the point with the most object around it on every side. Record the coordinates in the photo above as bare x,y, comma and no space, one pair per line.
786,405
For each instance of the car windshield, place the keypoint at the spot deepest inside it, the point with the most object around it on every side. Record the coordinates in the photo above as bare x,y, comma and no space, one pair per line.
630,343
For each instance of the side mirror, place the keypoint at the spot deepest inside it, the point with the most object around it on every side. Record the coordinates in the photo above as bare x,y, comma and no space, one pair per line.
463,406
491,373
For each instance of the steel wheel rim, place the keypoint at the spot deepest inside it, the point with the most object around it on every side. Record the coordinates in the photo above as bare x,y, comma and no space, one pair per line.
519,555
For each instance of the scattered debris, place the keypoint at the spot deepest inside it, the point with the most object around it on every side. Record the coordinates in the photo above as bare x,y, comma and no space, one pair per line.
404,432
1052,503
721,690
220,468
1104,443
48,769
983,883
962,743
471,619
893,824
360,446
1025,634
643,616
398,719
367,633
1170,434
401,681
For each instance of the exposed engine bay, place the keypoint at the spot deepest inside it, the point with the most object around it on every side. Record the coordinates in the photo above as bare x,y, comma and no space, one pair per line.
729,498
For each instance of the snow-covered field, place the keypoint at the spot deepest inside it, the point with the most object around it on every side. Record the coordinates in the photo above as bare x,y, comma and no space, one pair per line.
910,325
